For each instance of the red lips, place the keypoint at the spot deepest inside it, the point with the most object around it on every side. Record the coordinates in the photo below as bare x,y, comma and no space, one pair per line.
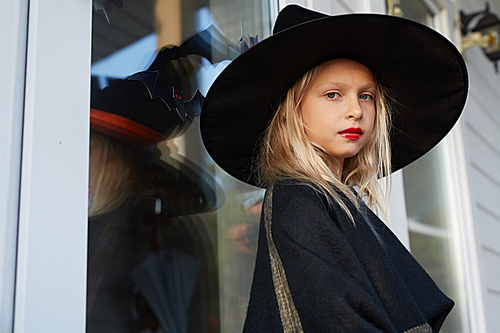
353,133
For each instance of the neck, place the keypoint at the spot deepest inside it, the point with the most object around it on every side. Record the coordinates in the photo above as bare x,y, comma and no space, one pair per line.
336,166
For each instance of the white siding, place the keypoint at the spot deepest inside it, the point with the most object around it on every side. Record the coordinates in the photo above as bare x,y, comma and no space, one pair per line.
492,287
493,302
481,135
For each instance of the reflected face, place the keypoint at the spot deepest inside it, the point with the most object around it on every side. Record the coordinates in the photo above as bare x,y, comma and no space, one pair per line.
338,109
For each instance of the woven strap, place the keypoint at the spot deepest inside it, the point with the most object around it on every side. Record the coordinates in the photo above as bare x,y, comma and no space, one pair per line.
288,313
425,328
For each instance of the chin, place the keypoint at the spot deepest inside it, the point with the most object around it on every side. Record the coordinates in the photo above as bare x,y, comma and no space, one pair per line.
349,155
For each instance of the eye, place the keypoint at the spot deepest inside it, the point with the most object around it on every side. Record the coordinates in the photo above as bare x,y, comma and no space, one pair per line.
366,97
332,95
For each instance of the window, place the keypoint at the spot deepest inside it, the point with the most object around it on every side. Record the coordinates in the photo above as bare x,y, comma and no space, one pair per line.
432,237
172,238
433,232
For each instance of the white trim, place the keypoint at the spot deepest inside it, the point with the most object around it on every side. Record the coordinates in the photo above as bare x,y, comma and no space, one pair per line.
274,9
13,24
432,6
398,218
367,6
463,231
52,248
282,4
462,228
427,230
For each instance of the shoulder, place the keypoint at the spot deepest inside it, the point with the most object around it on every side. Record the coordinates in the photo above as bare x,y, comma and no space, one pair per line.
298,203
293,192
296,187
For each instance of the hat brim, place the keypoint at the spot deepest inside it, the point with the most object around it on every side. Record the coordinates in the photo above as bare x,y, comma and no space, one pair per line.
186,188
123,129
424,71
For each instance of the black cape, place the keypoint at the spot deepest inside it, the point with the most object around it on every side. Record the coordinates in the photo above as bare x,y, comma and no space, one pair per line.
316,271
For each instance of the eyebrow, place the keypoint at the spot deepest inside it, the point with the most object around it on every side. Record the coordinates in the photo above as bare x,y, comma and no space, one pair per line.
343,85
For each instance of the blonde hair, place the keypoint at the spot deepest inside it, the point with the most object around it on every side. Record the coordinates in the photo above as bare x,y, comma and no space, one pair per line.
118,175
287,152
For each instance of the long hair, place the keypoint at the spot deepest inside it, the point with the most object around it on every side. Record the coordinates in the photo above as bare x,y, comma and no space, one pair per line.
119,175
287,152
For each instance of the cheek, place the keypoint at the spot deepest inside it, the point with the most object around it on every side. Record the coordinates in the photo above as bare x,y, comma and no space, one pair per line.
308,120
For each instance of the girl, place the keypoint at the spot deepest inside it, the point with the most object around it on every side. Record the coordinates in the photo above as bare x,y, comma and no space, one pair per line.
317,113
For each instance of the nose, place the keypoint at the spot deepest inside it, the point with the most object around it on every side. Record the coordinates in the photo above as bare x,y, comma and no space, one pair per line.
354,110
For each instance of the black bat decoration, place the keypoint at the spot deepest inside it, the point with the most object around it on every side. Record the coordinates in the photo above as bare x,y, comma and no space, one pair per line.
246,43
172,97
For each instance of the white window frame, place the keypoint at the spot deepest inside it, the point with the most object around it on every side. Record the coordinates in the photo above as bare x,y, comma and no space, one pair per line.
50,293
462,231
13,24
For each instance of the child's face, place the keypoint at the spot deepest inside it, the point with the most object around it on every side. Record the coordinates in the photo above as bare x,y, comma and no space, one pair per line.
338,109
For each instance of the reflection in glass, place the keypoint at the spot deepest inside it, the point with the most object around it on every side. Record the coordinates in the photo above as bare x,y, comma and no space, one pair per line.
136,191
172,238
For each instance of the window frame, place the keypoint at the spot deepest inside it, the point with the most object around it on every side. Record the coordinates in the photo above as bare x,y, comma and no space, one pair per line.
462,231
13,55
50,291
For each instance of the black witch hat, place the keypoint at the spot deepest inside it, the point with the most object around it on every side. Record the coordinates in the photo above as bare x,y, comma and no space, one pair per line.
424,71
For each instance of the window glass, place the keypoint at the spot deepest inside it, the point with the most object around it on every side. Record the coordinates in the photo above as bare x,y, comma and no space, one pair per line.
428,207
430,230
172,238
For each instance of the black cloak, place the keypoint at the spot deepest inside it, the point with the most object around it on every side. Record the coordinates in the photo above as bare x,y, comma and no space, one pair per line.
316,271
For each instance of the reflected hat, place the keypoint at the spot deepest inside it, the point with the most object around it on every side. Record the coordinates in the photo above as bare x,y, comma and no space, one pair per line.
141,111
135,112
424,72
160,103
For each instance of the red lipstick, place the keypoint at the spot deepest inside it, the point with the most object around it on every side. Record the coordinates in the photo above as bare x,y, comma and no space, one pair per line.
353,133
